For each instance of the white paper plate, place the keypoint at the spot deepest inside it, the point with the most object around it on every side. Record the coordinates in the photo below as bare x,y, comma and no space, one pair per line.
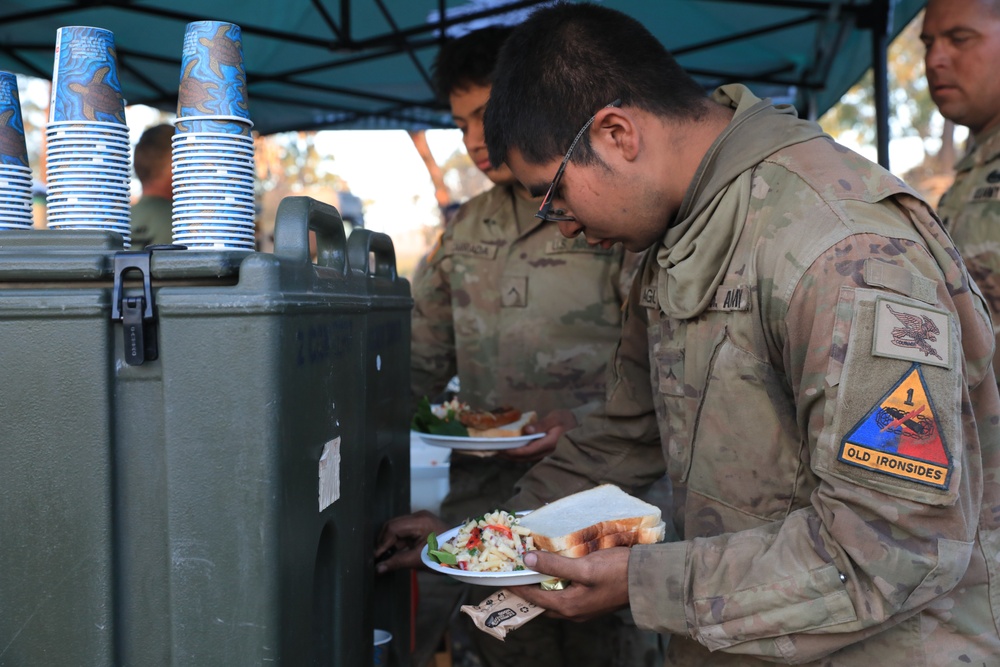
477,444
496,579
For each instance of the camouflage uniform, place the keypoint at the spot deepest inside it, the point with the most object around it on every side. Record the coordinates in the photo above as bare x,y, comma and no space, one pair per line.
526,318
523,315
836,463
152,222
970,211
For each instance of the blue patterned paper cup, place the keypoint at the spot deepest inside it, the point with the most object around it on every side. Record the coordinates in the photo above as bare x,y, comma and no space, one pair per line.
85,85
213,80
12,148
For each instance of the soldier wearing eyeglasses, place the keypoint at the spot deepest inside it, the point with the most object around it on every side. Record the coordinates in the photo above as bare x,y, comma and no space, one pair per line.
527,318
803,353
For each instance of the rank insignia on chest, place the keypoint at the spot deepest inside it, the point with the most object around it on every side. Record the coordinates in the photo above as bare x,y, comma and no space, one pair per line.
912,333
514,291
731,298
900,437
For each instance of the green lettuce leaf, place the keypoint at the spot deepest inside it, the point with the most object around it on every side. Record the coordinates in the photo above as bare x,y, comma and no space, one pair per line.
426,421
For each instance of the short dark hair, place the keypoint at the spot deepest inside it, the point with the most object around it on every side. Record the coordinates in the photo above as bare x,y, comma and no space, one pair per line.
153,151
468,61
564,63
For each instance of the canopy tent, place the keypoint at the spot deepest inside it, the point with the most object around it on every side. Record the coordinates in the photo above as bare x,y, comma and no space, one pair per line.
315,64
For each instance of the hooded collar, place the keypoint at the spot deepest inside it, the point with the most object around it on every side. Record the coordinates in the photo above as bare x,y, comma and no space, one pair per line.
699,244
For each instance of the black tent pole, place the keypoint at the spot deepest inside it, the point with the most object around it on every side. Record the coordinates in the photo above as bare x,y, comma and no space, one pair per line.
881,19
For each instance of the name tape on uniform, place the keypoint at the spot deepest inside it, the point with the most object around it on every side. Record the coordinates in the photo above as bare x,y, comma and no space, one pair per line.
730,299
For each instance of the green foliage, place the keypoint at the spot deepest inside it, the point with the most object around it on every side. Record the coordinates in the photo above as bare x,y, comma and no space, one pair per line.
911,109
425,421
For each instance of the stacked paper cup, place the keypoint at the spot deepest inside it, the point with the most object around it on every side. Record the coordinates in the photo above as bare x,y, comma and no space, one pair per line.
213,161
15,174
88,165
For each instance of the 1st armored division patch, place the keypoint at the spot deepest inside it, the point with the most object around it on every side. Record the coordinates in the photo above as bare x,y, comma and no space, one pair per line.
900,437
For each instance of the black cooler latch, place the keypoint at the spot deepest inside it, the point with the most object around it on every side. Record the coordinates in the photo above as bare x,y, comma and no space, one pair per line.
137,314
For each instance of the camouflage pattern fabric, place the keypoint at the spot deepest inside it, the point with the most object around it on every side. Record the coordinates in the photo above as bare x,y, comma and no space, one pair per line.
836,471
526,318
152,222
970,211
523,315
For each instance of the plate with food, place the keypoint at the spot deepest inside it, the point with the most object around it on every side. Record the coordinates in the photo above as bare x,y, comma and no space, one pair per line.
487,551
458,426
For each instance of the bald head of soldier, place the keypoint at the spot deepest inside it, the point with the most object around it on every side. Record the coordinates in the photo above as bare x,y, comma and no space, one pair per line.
962,41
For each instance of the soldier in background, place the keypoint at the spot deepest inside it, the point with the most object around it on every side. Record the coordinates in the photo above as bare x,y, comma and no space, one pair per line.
525,318
803,352
152,215
963,51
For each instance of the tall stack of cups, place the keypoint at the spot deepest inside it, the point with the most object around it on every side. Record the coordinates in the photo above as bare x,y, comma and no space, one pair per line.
88,166
213,161
15,173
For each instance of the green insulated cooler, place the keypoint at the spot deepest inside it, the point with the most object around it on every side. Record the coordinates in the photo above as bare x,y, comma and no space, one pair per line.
197,448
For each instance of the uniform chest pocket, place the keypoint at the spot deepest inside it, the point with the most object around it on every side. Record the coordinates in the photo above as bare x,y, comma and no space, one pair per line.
680,356
746,451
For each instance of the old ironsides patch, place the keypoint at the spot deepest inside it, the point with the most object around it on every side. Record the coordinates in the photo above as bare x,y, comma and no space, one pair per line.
900,437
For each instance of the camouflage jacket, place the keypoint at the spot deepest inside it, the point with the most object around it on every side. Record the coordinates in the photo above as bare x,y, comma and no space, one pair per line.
152,222
830,423
523,315
970,211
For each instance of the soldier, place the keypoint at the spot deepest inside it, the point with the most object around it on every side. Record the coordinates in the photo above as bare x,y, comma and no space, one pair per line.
526,318
803,352
152,215
963,49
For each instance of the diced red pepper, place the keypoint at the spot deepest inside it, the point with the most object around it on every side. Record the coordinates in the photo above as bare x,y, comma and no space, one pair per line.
475,539
503,530
462,565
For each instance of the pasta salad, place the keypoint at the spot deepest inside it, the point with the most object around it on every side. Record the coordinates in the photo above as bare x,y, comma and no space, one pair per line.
493,542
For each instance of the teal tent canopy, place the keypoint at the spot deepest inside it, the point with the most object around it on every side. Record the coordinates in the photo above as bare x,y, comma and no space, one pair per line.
329,64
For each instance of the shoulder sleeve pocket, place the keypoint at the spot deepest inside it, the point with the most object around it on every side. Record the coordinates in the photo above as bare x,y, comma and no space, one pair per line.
894,418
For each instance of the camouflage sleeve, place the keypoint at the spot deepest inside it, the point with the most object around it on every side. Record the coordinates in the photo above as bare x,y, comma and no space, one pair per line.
631,262
617,443
877,544
581,411
432,349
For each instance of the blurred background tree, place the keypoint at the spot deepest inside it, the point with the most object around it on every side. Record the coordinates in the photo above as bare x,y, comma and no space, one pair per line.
913,118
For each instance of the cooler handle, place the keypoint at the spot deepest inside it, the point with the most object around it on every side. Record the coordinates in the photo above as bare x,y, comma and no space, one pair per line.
366,245
296,216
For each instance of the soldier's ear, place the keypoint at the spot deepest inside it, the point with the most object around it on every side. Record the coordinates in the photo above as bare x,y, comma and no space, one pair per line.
615,129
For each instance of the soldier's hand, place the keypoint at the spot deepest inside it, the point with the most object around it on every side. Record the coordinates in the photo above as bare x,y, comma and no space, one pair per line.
402,538
599,583
553,425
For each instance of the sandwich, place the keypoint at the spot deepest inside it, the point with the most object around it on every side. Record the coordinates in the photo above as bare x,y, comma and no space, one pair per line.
503,422
598,518
455,418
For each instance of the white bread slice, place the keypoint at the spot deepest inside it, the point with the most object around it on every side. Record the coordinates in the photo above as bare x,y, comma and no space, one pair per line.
586,517
646,535
510,430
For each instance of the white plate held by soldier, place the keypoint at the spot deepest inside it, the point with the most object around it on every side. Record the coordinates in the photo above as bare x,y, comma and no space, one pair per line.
477,444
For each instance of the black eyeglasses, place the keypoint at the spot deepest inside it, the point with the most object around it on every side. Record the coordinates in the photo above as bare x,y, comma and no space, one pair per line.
545,210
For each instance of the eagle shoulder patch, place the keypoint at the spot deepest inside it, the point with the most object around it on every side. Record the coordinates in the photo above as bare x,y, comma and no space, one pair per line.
912,333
